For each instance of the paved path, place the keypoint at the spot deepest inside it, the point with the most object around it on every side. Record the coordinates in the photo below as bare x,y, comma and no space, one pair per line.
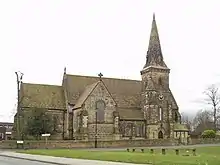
12,161
12,156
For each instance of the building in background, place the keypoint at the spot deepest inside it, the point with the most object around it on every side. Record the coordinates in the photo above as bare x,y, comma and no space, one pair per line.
6,130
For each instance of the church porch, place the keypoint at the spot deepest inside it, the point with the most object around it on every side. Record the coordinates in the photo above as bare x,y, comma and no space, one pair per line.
181,133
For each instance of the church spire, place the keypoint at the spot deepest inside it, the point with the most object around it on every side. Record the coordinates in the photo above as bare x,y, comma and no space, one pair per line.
154,53
154,16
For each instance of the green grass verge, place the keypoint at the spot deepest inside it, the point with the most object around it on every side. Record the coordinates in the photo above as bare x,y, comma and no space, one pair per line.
205,156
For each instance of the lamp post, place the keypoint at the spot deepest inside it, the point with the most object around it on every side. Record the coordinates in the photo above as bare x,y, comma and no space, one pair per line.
96,116
19,77
96,125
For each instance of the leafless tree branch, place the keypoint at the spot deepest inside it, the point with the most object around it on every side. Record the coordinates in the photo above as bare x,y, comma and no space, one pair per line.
213,99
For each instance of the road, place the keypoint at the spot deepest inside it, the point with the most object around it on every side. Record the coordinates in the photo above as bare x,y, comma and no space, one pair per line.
12,161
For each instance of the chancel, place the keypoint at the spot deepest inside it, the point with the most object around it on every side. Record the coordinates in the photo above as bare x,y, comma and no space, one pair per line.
112,108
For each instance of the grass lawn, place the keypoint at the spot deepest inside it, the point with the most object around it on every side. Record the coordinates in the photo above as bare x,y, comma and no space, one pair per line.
205,156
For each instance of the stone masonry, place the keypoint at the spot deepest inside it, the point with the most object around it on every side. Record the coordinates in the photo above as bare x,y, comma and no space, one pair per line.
112,109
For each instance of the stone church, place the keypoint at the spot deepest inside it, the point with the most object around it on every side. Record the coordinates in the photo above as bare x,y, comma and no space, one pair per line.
109,108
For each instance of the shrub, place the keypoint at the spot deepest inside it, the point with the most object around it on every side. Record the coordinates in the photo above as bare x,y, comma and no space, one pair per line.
208,134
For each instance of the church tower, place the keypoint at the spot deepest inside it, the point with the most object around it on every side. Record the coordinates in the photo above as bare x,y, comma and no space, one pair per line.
159,106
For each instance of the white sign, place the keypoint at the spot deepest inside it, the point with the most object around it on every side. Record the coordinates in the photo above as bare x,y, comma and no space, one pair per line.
45,135
8,133
20,142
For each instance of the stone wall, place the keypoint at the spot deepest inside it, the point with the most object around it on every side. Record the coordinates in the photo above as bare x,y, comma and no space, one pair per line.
102,144
57,116
77,144
132,129
105,128
76,123
104,131
194,141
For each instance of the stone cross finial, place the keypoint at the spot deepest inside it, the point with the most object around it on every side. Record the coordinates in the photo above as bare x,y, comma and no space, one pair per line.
64,70
100,75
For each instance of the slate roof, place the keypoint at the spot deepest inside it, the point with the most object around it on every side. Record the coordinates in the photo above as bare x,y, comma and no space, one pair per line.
42,96
85,95
180,127
6,124
131,114
125,113
126,93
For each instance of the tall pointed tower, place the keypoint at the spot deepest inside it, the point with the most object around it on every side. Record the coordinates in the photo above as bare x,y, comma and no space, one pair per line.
159,106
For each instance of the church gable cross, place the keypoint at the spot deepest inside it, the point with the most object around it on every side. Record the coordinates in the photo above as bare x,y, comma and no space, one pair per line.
100,75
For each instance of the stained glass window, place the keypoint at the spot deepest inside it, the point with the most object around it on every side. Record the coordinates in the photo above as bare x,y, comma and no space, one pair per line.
122,125
125,128
175,117
140,130
100,107
128,130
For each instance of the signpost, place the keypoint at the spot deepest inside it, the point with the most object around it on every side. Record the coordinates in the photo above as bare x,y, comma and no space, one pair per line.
46,138
20,143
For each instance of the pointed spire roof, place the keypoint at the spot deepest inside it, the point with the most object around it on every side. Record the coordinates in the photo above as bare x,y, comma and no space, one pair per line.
154,53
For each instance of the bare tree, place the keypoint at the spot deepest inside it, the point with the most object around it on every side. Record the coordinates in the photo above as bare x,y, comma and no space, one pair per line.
202,116
187,119
203,121
213,99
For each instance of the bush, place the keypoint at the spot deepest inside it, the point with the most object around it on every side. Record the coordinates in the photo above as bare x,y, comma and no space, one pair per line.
208,134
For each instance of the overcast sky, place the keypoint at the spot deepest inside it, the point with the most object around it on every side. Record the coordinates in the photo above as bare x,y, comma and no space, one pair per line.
41,37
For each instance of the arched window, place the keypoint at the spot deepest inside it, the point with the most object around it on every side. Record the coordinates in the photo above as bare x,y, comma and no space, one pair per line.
78,121
100,107
160,135
55,122
160,81
175,116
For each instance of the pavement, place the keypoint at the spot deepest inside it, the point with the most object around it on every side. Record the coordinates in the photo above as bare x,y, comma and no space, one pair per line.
13,158
12,161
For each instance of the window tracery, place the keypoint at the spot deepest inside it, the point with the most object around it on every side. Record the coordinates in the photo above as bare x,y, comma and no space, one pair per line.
128,129
100,107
